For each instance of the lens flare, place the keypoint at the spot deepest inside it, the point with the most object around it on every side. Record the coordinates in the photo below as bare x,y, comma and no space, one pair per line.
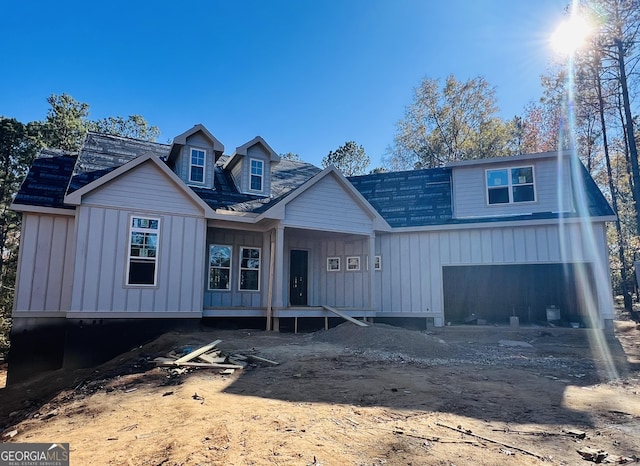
581,242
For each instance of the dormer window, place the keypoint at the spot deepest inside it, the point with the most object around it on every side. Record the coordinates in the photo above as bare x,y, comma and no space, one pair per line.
510,185
196,165
256,174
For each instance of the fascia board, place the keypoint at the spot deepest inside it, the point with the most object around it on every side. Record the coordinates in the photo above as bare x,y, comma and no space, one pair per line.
42,210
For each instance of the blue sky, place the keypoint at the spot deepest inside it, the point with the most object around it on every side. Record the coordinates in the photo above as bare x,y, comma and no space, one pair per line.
305,75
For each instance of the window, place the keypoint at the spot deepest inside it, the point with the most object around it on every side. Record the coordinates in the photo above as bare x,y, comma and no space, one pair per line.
353,263
219,267
196,166
510,185
256,175
333,264
143,251
377,265
250,269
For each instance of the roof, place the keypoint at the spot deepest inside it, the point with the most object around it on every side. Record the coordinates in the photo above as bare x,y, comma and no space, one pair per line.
423,197
412,198
409,198
285,177
102,153
46,182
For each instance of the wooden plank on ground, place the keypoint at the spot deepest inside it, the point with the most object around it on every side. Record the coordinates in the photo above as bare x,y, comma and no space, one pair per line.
198,352
212,359
252,357
345,316
204,365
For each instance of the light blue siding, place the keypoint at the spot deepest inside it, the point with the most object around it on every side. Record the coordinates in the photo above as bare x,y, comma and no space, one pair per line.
101,262
132,190
552,194
45,273
234,297
410,281
326,206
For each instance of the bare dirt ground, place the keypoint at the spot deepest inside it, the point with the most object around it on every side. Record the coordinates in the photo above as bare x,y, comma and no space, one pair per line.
349,396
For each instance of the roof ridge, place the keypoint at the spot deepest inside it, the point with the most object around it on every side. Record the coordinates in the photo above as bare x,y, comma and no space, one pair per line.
117,136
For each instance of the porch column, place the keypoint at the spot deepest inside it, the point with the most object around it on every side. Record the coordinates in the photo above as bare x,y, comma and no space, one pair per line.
372,271
278,285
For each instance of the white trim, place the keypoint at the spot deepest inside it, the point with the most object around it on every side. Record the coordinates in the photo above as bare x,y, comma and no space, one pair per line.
42,210
240,268
261,175
203,166
131,230
377,262
510,159
209,267
509,186
331,259
505,223
356,261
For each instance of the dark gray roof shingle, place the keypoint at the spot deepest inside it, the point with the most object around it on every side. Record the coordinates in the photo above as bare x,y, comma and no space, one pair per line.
409,198
102,153
46,182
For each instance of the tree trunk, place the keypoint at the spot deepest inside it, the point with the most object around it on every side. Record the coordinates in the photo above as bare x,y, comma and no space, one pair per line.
631,140
614,197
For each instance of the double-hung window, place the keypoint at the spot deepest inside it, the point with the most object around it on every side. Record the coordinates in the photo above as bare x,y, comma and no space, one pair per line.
142,262
256,174
196,165
249,269
510,185
219,267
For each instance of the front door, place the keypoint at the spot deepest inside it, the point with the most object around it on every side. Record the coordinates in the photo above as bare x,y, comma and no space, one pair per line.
298,274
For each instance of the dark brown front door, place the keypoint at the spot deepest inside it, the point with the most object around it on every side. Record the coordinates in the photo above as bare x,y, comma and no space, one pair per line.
298,273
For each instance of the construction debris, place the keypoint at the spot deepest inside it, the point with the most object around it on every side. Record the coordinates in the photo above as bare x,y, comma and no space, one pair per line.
468,432
209,357
601,456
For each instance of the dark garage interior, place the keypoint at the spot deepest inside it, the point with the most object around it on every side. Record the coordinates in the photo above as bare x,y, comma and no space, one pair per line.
535,293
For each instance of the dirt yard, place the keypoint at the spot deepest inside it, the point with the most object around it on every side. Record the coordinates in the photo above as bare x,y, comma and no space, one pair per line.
380,395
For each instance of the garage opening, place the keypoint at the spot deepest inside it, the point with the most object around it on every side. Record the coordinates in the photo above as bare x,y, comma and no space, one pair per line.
535,293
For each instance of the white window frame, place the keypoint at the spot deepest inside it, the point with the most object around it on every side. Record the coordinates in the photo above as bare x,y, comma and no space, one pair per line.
192,165
229,269
144,259
377,263
353,263
260,176
510,185
242,269
330,264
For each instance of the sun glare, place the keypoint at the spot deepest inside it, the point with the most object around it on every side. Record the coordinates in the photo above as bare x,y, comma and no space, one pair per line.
570,35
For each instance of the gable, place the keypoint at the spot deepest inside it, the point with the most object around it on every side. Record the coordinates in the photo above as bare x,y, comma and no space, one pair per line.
328,206
144,187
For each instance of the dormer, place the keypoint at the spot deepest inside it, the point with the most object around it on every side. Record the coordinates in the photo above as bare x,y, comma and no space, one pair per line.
250,167
193,156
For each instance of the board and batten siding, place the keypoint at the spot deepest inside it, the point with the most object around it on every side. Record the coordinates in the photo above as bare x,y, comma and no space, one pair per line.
145,188
234,297
411,277
102,244
45,272
470,189
343,288
326,206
